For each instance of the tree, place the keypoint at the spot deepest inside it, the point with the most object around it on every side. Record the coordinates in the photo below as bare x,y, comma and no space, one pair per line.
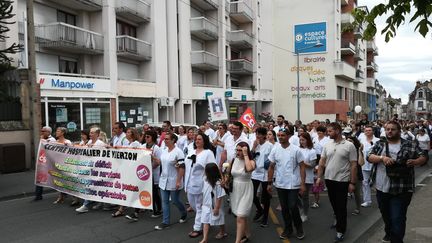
5,15
399,11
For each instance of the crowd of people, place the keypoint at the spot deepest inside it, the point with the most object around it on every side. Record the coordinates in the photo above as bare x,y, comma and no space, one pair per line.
234,169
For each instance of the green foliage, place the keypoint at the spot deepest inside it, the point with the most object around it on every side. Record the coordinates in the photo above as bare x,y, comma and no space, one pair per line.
398,11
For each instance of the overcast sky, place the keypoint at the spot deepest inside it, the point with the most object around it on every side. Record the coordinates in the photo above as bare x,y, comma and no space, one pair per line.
404,60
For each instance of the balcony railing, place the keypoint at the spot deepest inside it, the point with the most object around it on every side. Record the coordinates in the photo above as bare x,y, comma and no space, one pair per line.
134,10
359,76
344,70
133,48
347,18
66,37
347,47
203,28
204,61
240,66
359,54
83,5
240,39
370,83
373,66
358,32
371,46
241,12
206,4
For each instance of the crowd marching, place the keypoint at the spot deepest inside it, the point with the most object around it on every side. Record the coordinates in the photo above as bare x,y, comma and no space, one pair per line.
234,169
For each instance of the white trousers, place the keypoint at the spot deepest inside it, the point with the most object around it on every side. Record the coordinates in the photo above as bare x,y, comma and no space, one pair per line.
195,201
366,186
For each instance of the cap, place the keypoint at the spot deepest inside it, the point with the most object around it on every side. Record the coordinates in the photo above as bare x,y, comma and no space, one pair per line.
347,130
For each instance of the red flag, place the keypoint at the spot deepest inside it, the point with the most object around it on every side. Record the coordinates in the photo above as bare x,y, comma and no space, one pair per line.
248,118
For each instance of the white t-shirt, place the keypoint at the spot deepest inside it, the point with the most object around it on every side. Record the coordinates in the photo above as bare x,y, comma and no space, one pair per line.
287,167
264,150
195,174
366,148
382,182
423,141
97,144
120,140
310,157
295,140
210,133
168,177
230,145
319,144
219,149
157,152
182,140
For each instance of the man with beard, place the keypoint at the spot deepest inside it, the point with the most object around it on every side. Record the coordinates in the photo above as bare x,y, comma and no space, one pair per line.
395,159
339,158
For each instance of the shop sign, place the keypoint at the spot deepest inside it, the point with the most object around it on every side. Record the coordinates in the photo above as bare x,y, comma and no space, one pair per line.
228,94
71,127
207,94
51,82
243,98
308,35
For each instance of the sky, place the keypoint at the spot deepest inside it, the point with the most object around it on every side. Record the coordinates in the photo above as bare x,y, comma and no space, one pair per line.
404,60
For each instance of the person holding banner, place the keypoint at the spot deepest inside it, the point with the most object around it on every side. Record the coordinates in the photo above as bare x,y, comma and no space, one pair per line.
94,142
195,164
119,139
60,135
171,179
219,142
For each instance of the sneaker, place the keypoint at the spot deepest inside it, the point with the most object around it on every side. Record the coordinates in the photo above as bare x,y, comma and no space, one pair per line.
156,214
386,239
333,226
183,219
315,205
264,224
161,226
366,204
355,212
132,216
339,237
97,206
257,216
82,209
285,235
304,218
300,234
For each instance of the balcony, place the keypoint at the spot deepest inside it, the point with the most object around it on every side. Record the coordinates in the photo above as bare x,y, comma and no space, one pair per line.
347,18
347,48
64,37
344,71
240,67
203,28
370,83
371,46
133,48
206,5
137,11
358,32
240,12
372,66
204,61
359,76
83,5
359,54
240,39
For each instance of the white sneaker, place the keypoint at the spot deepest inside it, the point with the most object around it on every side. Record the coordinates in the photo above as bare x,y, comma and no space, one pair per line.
82,209
304,218
366,204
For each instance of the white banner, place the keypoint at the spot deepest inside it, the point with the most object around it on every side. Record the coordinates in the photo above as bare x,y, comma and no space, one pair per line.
217,108
116,176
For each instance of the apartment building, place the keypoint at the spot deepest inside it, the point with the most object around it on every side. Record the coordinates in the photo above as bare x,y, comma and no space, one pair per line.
332,64
420,101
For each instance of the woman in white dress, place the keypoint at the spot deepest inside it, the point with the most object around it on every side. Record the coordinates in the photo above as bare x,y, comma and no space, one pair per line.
241,198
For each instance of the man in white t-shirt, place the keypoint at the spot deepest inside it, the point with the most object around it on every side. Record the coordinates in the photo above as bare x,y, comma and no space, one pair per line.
209,131
236,137
279,123
119,135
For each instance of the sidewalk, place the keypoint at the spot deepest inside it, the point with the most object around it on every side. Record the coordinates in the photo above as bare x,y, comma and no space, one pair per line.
419,216
17,185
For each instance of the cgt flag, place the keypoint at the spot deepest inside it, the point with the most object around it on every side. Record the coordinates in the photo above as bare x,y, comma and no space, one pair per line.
248,119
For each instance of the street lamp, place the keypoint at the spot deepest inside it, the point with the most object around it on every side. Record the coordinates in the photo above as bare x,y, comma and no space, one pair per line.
297,52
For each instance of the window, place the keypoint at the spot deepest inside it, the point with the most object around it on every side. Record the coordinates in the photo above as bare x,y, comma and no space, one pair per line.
259,9
339,93
67,65
66,18
420,104
259,60
126,29
420,94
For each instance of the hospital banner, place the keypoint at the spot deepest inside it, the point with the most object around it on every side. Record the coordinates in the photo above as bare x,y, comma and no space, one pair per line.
116,176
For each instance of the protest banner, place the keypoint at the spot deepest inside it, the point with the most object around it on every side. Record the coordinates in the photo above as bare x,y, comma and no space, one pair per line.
117,176
217,108
248,119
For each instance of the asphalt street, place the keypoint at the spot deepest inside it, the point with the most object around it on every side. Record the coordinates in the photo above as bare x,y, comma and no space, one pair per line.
25,221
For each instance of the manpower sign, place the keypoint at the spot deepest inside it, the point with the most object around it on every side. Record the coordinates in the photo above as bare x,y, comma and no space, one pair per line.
306,36
72,83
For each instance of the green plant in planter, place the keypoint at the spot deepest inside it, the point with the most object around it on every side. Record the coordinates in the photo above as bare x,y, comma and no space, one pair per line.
253,88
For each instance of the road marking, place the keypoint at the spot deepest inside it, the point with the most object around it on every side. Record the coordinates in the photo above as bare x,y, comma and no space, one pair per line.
275,220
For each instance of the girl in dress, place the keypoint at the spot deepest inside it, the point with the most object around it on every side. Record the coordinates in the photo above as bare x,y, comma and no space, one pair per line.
212,212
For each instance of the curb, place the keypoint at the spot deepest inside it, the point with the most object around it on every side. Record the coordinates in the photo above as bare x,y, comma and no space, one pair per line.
376,218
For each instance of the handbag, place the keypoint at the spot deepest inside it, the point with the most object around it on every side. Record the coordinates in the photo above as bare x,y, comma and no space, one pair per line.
361,160
228,185
397,170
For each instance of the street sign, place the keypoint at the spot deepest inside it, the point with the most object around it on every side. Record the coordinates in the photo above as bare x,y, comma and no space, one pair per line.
308,35
243,98
207,94
228,94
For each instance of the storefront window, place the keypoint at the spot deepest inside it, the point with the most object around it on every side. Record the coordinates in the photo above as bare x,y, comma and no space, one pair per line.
65,115
97,114
136,111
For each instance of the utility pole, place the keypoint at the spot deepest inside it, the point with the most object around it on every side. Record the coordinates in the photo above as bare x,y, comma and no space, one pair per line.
35,104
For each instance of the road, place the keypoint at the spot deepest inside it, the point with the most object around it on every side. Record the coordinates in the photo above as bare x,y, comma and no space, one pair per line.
24,221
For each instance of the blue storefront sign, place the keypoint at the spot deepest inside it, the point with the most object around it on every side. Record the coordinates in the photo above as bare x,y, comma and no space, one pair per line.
207,94
243,98
228,94
306,36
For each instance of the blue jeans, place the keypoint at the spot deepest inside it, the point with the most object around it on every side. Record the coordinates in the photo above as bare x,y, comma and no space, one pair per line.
393,210
166,206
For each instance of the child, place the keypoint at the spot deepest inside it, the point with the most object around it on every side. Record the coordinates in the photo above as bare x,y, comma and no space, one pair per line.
212,212
316,189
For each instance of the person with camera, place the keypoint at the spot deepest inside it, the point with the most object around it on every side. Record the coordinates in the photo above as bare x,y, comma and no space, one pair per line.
394,159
